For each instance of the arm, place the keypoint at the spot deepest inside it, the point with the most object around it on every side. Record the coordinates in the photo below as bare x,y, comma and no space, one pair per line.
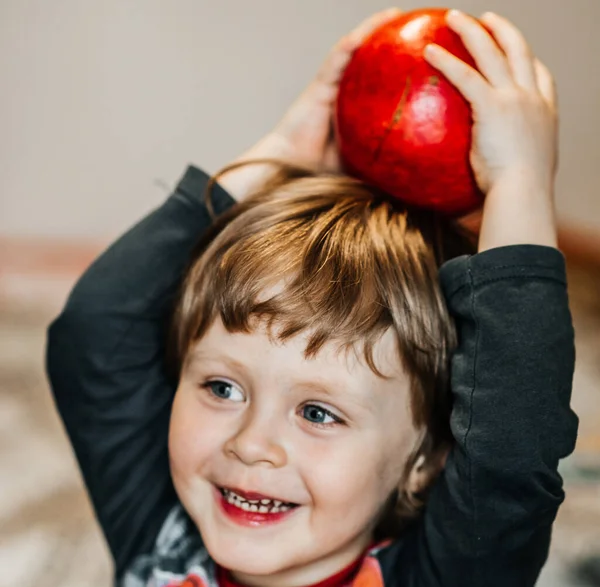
105,364
489,518
105,351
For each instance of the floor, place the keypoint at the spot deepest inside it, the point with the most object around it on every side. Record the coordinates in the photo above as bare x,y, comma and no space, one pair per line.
48,535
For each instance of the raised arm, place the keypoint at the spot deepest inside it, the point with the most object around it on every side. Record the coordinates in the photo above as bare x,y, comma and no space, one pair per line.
105,351
105,362
489,517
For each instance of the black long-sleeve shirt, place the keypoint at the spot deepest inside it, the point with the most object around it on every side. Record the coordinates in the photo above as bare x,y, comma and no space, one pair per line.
489,516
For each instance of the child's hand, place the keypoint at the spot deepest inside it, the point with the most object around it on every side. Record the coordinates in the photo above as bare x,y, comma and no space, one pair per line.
515,132
305,136
307,127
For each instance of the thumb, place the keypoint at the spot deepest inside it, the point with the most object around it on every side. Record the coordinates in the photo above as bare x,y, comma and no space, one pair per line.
331,158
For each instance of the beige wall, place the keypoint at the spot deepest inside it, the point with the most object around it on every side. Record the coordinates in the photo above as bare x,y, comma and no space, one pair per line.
103,102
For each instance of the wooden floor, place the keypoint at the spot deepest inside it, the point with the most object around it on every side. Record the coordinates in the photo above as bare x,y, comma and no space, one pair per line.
48,535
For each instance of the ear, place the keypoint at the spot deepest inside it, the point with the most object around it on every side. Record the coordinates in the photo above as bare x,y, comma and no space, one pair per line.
425,470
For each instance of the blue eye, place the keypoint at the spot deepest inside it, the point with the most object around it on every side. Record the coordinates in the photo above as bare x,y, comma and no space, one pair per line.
318,415
224,390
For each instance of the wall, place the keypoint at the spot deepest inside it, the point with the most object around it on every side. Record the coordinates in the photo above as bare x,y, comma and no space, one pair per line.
103,103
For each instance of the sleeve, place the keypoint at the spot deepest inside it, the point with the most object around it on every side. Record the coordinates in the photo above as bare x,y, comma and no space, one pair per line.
489,517
105,362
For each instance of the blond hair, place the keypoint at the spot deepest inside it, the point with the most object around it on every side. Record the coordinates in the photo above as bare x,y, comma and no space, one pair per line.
343,262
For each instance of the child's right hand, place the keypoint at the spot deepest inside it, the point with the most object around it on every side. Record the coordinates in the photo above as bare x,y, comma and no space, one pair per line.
304,136
306,130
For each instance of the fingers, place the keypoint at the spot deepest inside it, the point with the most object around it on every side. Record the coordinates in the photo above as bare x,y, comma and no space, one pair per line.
467,80
331,158
518,53
331,71
485,51
503,57
546,84
370,25
335,63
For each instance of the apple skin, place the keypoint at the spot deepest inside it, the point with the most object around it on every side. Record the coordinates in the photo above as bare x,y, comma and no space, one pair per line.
400,124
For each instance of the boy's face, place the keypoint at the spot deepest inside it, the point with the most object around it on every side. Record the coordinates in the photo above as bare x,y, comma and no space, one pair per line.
253,416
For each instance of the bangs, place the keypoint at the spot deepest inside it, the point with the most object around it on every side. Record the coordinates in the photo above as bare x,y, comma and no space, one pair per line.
324,256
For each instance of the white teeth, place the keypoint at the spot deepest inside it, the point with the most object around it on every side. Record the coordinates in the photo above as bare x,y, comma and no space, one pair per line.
263,506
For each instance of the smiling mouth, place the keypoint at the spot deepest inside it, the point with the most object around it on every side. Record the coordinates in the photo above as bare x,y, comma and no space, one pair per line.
255,502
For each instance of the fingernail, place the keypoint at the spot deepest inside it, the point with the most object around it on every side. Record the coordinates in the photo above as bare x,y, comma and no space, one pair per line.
454,13
431,51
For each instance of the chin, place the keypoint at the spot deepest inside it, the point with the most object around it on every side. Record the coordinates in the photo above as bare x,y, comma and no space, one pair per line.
247,543
243,558
237,550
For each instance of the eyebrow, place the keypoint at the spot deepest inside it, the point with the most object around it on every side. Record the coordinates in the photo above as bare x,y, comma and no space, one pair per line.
347,396
198,355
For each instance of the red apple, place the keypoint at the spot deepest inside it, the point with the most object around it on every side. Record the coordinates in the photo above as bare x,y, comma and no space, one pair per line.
400,124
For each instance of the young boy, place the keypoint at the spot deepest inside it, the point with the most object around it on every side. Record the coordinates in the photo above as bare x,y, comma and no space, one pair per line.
310,406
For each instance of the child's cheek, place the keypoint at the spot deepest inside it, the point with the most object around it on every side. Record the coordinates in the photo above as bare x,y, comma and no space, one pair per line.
189,437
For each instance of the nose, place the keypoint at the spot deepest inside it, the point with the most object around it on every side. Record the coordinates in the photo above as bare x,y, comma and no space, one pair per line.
257,442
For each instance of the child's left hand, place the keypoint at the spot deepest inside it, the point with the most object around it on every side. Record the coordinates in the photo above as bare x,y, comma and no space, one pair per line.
515,132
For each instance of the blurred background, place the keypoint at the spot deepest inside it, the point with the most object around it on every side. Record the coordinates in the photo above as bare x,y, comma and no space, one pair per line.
103,104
